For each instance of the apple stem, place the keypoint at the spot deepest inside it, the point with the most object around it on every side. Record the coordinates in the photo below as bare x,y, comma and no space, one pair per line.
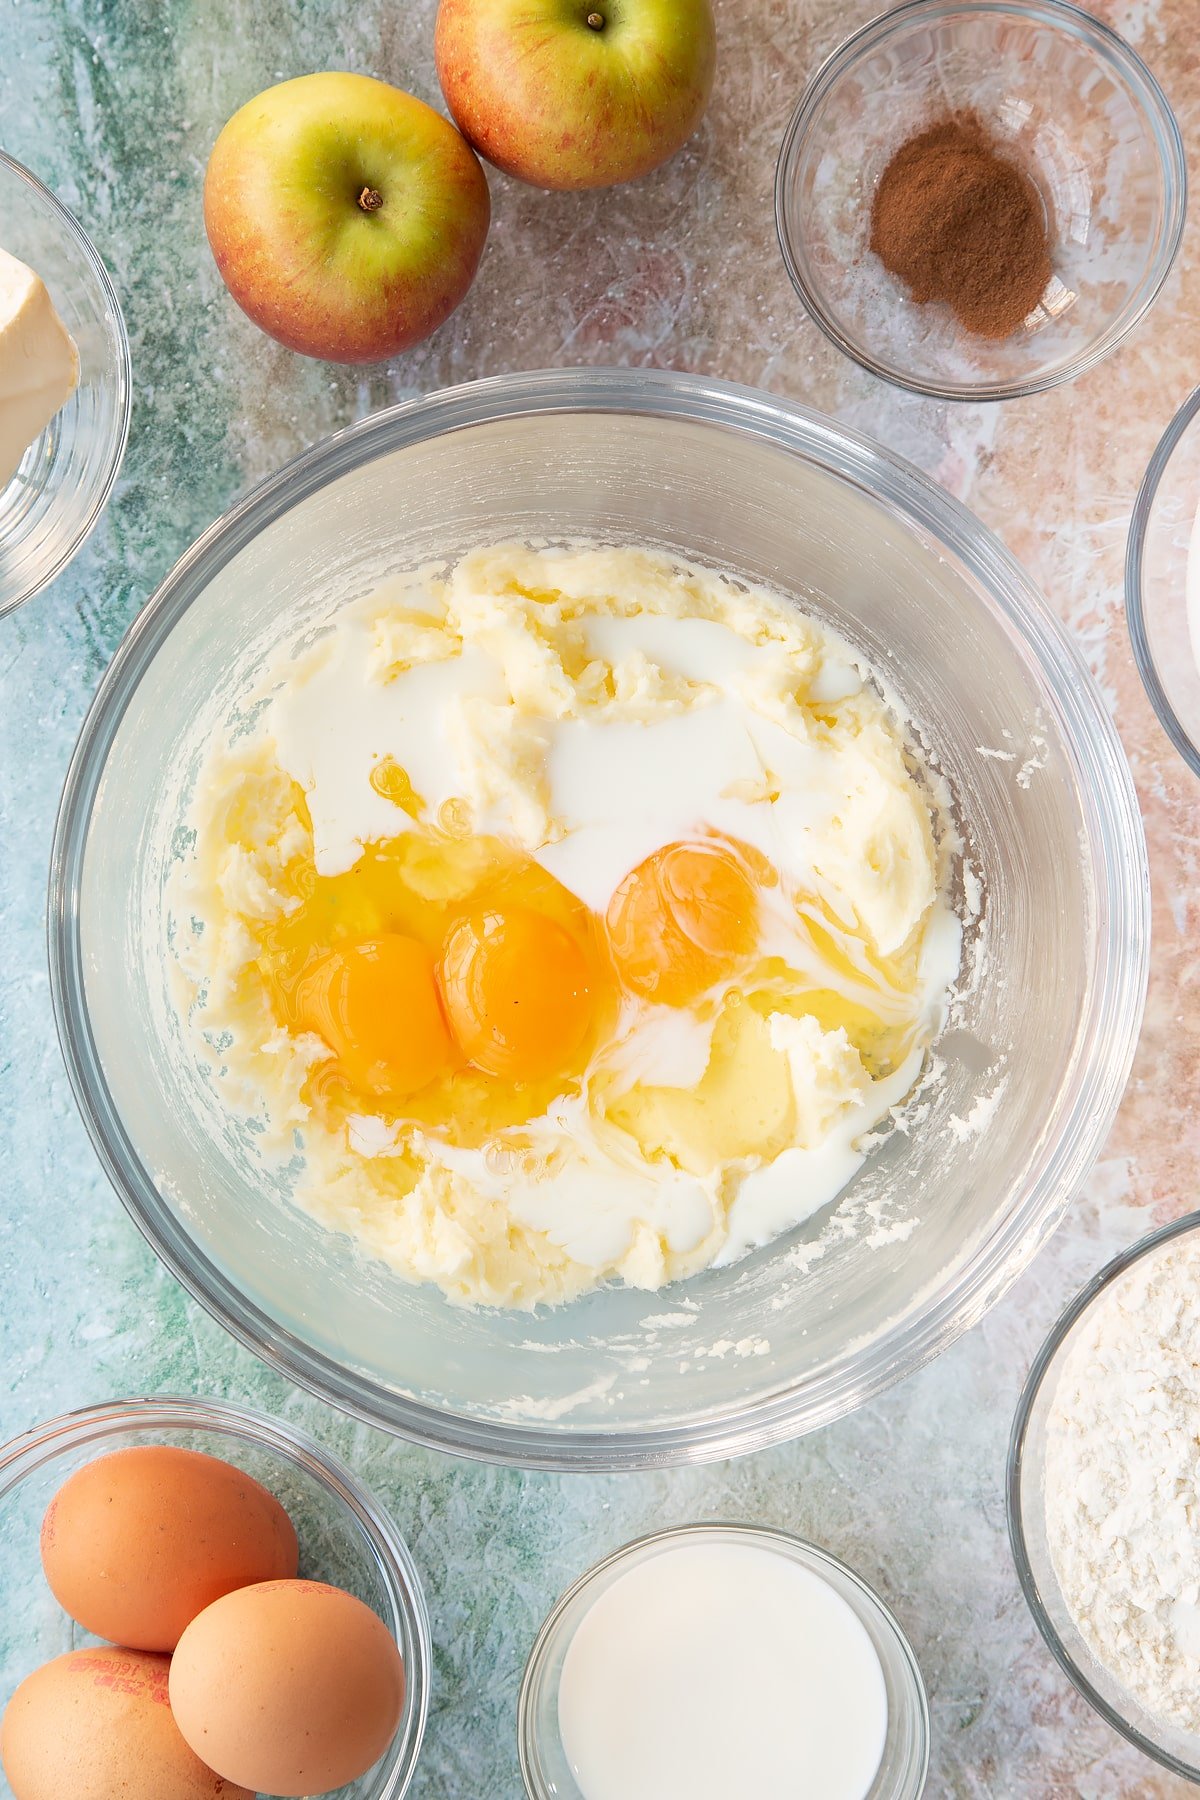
370,200
596,21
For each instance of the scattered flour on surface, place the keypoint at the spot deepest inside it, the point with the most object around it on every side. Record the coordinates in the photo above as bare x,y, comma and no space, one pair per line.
1035,762
980,1115
531,1406
743,1347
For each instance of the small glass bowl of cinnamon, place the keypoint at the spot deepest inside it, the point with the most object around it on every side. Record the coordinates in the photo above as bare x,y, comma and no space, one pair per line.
979,200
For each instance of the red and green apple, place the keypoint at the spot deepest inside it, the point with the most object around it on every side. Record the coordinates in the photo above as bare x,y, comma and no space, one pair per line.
346,217
576,93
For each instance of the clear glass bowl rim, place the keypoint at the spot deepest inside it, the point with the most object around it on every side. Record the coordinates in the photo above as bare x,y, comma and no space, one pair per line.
1107,43
769,1534
124,398
1135,557
1042,1363
1114,827
31,1450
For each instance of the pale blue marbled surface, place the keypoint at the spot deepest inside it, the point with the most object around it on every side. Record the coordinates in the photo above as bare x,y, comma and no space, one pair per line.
115,103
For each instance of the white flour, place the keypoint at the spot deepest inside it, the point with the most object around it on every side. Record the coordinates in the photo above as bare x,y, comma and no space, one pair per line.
1122,1474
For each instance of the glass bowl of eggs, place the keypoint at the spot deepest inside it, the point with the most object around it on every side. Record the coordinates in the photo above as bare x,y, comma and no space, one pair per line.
53,496
658,727
164,1560
1091,159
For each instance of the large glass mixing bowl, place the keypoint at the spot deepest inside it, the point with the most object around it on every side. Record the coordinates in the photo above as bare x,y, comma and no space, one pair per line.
942,1216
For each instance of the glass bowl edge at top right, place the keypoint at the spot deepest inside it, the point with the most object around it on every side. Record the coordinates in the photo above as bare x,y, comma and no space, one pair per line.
1162,581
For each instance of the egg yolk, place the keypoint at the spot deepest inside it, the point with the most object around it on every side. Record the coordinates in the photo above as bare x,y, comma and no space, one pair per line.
682,920
517,991
376,1005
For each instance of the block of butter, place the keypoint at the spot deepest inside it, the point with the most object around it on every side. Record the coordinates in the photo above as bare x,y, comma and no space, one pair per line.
39,364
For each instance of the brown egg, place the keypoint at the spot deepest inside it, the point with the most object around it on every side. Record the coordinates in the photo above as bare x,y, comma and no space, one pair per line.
292,1687
97,1725
135,1544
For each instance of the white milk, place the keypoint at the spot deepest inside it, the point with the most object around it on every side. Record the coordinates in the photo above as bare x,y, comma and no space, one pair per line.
719,1672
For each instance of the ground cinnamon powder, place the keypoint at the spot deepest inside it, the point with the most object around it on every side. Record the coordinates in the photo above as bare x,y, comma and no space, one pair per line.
956,221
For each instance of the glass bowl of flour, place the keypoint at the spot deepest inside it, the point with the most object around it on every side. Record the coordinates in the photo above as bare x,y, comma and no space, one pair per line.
1102,1494
957,1191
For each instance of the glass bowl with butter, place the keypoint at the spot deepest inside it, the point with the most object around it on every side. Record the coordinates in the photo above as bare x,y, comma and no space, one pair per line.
1016,1098
346,1538
65,385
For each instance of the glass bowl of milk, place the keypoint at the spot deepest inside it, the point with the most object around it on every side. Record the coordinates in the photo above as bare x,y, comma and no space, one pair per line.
714,1660
1162,581
50,501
